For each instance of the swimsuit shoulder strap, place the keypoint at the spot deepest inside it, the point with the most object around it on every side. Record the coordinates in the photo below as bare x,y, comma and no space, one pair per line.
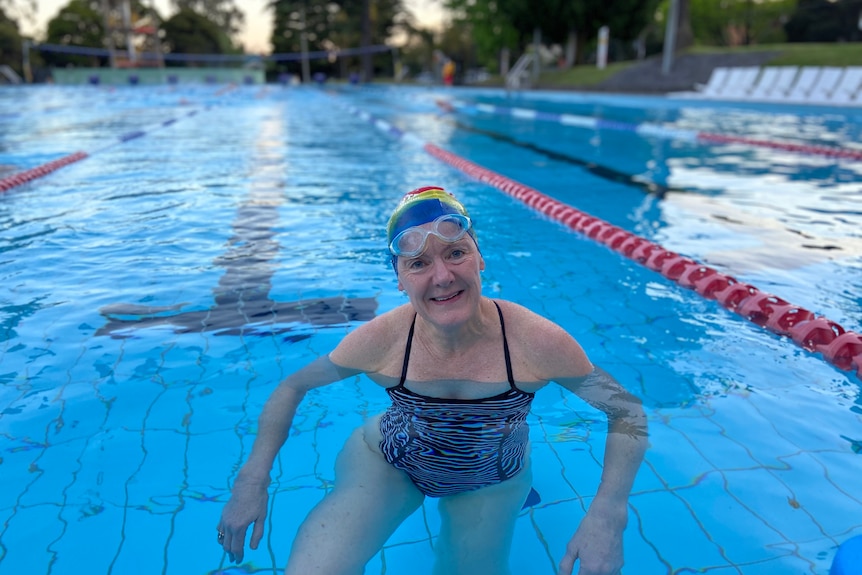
509,374
508,357
407,352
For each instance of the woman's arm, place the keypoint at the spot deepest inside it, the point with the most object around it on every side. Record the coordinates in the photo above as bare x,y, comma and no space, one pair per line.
598,540
279,410
359,352
556,356
249,496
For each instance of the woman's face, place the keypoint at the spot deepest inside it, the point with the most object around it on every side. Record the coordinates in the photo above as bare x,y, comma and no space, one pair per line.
443,281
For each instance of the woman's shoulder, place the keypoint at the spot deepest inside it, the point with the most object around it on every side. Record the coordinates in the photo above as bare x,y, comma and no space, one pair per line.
386,324
549,350
369,345
523,320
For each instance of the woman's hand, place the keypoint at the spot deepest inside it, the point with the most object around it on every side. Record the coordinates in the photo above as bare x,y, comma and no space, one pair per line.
597,544
248,503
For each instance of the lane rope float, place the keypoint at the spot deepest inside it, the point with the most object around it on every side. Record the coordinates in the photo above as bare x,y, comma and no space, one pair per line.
647,129
817,334
20,178
25,176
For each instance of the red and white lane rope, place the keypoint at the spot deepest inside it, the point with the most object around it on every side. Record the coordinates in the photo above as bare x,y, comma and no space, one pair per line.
818,334
842,348
19,178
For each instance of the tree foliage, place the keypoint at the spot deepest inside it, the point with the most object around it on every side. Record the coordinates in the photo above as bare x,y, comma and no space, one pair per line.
78,23
331,25
498,24
10,42
223,13
188,32
293,17
736,22
825,21
98,24
488,26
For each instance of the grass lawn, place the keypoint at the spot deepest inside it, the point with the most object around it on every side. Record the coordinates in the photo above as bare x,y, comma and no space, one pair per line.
845,54
833,54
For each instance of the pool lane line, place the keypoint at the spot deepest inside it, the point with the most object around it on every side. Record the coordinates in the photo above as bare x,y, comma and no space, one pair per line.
596,169
31,174
20,178
817,334
647,129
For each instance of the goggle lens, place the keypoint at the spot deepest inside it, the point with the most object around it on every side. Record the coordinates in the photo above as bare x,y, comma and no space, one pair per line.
449,228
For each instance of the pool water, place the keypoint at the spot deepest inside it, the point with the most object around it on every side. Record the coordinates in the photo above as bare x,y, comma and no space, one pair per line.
154,293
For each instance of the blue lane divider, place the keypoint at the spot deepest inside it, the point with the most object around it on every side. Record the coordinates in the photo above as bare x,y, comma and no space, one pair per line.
577,121
653,130
132,135
31,174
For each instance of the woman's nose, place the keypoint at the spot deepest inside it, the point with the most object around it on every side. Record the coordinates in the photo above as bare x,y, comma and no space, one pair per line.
443,276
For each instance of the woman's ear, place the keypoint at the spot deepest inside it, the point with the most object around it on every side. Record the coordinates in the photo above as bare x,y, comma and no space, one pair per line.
481,263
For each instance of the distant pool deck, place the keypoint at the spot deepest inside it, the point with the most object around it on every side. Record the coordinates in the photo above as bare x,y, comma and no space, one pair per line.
156,76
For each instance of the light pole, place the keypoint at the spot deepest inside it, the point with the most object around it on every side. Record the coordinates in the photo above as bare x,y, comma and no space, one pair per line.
670,37
25,61
303,43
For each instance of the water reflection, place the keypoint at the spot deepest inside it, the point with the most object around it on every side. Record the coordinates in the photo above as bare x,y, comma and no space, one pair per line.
242,302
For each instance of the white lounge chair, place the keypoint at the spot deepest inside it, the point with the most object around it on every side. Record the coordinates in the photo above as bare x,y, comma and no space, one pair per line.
826,84
739,83
849,88
783,82
764,84
716,83
805,82
711,89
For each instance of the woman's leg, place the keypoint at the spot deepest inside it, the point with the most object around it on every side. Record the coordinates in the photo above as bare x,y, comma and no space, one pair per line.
369,501
477,527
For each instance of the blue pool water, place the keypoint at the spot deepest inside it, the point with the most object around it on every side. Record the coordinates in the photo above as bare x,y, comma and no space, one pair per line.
153,294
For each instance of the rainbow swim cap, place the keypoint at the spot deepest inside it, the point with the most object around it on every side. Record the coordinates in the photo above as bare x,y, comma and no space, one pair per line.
421,206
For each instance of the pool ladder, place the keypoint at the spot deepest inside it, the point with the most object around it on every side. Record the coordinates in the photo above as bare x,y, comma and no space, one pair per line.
521,75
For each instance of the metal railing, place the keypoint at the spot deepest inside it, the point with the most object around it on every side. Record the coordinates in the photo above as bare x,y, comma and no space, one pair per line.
521,76
10,74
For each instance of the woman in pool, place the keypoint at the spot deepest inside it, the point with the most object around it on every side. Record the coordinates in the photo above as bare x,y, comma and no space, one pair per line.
461,370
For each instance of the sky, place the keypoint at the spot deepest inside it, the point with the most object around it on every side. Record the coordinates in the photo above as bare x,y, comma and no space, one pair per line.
258,22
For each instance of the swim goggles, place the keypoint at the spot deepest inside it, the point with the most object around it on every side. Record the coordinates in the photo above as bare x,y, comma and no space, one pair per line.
411,242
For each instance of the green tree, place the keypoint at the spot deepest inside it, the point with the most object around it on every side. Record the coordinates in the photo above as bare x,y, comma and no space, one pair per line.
10,43
501,23
737,22
825,21
223,13
384,17
363,23
490,28
78,24
188,32
332,26
293,17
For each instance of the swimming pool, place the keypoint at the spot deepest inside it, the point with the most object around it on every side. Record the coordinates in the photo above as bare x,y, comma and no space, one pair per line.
214,240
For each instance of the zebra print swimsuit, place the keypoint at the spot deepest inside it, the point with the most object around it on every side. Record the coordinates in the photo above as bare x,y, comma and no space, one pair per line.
449,446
